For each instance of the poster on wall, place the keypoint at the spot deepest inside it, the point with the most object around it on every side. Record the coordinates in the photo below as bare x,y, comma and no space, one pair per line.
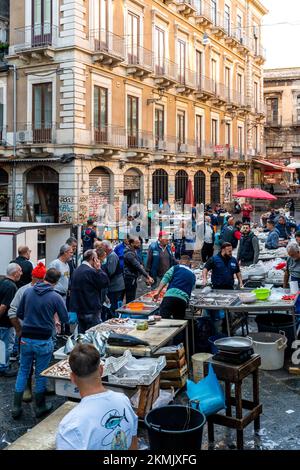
227,190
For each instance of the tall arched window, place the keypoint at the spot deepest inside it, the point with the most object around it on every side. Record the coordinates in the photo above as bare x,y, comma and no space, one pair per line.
215,189
181,180
199,187
159,186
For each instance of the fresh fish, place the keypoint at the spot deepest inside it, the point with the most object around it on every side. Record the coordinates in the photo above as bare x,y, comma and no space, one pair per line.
125,340
114,419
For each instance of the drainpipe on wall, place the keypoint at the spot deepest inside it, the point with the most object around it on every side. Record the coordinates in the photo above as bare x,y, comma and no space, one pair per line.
14,67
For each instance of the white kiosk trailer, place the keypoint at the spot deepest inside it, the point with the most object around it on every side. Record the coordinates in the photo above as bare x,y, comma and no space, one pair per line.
31,234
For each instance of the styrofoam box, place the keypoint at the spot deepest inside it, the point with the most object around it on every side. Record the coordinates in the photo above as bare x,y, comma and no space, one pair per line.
65,388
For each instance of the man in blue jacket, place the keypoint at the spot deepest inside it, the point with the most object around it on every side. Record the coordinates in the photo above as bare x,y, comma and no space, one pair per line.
160,257
284,228
37,308
224,267
119,250
272,242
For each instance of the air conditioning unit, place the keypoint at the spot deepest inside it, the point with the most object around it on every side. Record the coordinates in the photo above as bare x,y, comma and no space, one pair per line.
24,137
161,145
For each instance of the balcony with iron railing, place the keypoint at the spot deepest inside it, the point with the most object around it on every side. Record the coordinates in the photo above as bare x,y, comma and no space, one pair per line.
186,79
260,54
186,7
204,13
186,147
219,26
139,61
36,133
37,39
205,88
109,48
165,72
273,121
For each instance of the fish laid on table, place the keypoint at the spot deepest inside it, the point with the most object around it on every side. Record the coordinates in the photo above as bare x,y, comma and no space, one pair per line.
125,340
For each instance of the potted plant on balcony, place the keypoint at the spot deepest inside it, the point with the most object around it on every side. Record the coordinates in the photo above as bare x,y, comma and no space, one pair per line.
3,49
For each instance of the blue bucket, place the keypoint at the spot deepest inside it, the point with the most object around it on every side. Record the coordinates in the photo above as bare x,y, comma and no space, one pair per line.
212,339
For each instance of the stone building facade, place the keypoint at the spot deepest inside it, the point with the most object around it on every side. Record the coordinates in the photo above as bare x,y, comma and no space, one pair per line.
124,101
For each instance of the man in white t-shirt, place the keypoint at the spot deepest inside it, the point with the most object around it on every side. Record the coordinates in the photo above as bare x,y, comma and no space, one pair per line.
61,264
103,420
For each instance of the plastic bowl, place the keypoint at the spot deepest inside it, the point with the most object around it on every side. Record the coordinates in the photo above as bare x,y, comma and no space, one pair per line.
247,298
261,294
136,306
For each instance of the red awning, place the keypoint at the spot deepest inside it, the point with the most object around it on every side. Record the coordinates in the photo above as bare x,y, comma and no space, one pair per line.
274,167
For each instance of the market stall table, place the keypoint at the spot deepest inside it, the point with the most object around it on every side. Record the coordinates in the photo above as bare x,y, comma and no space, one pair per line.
233,304
157,336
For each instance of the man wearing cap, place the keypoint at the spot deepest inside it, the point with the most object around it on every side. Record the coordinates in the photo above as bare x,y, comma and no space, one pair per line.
38,275
160,257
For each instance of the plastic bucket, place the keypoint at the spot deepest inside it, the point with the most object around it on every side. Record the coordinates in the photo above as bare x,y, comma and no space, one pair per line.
175,427
197,360
270,347
211,341
275,322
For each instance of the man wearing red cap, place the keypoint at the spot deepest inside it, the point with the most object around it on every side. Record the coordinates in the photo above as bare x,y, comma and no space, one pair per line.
160,257
38,274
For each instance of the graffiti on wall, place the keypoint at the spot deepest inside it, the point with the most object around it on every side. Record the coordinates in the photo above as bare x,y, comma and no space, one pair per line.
66,209
19,205
83,209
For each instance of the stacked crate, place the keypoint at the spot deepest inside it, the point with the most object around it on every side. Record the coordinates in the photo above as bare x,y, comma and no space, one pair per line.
175,373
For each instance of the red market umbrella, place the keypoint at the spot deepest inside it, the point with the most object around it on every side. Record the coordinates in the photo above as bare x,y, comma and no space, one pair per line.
255,193
189,195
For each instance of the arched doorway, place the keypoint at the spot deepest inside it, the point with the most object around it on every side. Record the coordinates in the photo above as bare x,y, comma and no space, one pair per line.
241,181
199,187
42,185
159,186
181,180
132,187
3,193
215,190
99,193
228,187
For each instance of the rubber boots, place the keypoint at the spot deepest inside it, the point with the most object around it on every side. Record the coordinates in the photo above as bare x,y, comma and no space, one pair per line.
41,406
17,406
27,396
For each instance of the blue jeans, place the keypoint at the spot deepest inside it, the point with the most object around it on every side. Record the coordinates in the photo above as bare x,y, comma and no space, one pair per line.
7,335
40,351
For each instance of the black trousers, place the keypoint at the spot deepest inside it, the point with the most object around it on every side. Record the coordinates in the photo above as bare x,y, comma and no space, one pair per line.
115,298
130,288
86,322
173,307
207,251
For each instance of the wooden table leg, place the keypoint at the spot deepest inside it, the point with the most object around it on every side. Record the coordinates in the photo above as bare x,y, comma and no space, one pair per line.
256,397
239,415
227,398
187,348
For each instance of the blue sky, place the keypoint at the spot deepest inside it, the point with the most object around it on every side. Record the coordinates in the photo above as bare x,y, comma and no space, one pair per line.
282,41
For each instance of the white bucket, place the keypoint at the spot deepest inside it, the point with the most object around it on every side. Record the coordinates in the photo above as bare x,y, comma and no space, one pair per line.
197,360
270,347
294,287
